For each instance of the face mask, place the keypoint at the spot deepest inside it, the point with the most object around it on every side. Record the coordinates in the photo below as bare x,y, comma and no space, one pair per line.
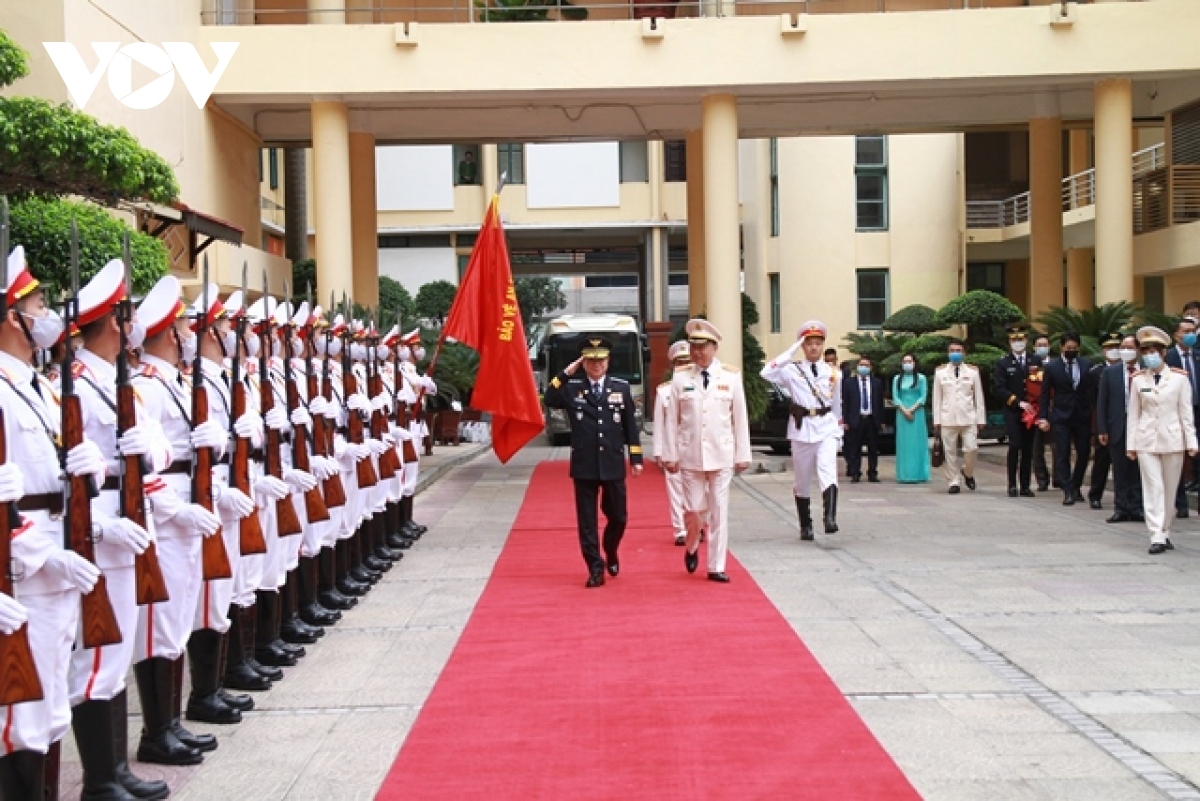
1070,355
45,331
1189,340
252,347
137,335
1018,346
956,357
335,347
187,348
1043,351
908,367
1128,355
864,371
383,352
404,353
229,341
419,353
276,348
358,352
1112,354
297,346
1152,360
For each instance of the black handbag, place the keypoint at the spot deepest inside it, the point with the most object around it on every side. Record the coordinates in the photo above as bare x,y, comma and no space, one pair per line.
937,453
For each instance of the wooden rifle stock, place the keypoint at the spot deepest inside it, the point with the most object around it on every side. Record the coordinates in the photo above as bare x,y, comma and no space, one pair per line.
332,488
98,621
213,555
19,680
354,429
402,420
286,519
389,462
250,533
314,504
151,586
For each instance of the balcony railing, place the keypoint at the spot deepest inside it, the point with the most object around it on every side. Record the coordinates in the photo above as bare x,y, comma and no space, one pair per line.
1166,196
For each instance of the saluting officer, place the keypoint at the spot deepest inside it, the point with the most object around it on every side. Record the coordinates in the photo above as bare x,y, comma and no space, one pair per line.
603,425
1009,382
680,355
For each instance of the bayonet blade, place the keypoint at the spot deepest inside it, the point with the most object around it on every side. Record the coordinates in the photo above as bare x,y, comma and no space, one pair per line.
4,252
127,259
204,297
74,258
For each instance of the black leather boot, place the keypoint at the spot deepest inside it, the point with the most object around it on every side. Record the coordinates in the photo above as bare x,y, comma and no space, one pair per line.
239,673
804,508
346,583
829,497
268,648
93,723
51,764
23,775
312,611
201,742
291,628
410,526
205,703
139,788
159,744
239,701
330,597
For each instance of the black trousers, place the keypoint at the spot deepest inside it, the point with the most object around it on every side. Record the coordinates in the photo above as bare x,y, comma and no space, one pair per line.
612,502
1020,449
1077,434
1040,470
867,431
1181,499
1127,480
1101,464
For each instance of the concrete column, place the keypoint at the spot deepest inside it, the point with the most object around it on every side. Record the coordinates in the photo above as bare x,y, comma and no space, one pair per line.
722,244
364,221
295,204
1045,214
489,174
1114,190
697,275
1080,278
331,198
326,12
656,261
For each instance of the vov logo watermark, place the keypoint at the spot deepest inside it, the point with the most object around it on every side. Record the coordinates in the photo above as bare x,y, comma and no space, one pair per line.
165,61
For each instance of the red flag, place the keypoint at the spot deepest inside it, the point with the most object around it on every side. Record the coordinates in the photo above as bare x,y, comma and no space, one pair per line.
486,318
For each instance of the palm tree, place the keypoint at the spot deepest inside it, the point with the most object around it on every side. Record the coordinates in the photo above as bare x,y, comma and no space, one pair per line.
1092,324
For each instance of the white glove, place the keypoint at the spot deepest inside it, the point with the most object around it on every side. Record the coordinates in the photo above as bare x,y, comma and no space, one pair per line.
12,483
318,406
195,517
332,411
388,440
250,426
235,502
358,452
85,459
359,403
377,447
210,434
12,615
271,488
379,402
787,355
276,419
134,442
74,569
323,468
126,533
402,434
299,480
301,417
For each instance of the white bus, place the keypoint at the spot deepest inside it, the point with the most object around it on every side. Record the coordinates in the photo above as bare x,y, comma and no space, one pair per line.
560,343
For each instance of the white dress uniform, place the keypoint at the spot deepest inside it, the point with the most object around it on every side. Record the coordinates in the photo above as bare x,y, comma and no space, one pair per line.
707,432
215,596
958,407
662,403
249,578
1160,429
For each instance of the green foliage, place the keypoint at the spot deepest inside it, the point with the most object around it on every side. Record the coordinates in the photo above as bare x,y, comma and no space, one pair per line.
434,301
304,275
753,359
1093,324
13,62
397,304
979,308
875,345
537,296
43,226
914,319
526,10
456,369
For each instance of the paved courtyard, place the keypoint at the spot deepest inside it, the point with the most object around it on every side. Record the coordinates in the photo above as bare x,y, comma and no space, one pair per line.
998,648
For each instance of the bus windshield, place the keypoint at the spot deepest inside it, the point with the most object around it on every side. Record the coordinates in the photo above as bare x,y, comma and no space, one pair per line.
624,361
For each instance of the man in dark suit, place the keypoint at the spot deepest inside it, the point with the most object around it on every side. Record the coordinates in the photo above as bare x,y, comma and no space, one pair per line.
603,425
1101,461
1009,381
1183,356
862,412
1112,399
1064,406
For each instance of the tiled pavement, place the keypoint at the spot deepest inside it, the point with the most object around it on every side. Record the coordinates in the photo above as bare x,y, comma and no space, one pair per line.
999,648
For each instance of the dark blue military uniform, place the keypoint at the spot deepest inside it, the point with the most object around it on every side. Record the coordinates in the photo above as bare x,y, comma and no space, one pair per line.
603,425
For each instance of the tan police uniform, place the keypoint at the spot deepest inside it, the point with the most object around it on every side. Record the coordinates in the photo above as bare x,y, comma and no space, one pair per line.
958,407
662,397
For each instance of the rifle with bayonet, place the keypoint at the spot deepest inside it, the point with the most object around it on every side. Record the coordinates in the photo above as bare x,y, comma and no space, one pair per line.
19,680
389,461
150,585
98,622
250,534
314,504
286,519
214,558
364,469
331,488
402,420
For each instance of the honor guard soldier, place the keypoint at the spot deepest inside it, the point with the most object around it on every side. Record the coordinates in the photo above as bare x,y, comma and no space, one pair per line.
603,424
707,438
47,579
1009,382
411,351
958,411
680,355
814,427
97,677
1160,431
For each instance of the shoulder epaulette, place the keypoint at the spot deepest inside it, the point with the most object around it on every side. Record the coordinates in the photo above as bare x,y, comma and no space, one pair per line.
620,381
78,368
683,367
729,369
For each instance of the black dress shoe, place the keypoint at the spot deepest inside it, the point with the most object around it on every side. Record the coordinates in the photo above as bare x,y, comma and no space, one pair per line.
872,479
1118,517
239,701
595,579
332,599
970,482
1078,496
691,561
1068,500
1180,514
243,677
165,748
1137,518
1043,487
212,709
1012,492
721,577
854,479
680,539
271,656
954,490
1028,493
296,632
1170,546
268,672
1096,504
1157,548
201,742
613,567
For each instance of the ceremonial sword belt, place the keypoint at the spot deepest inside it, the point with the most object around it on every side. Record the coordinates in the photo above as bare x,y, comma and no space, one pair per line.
800,413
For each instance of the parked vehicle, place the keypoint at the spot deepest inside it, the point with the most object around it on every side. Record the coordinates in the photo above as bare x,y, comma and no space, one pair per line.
772,429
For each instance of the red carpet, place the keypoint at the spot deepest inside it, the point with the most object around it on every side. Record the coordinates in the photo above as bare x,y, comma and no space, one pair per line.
659,685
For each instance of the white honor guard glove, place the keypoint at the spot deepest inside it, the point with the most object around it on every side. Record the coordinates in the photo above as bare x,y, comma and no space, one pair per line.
323,468
271,488
195,518
210,434
359,403
12,483
85,459
332,410
12,615
124,532
250,426
301,417
787,355
358,452
381,402
299,480
234,502
389,441
377,447
318,406
73,569
134,442
276,419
